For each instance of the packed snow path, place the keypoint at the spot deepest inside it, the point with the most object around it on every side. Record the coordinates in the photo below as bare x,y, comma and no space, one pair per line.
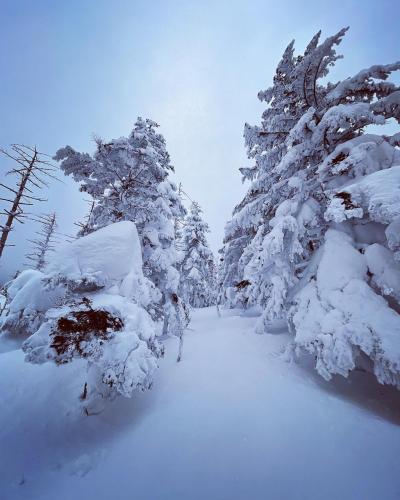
232,421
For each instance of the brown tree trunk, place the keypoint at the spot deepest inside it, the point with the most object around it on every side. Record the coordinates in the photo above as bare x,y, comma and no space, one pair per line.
16,204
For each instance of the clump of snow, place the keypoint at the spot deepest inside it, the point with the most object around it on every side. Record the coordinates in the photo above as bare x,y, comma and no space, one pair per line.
392,233
337,315
91,302
376,195
28,299
384,269
360,156
108,255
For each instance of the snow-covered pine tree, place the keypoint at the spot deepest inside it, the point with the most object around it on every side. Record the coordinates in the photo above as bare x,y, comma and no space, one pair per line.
178,225
197,284
352,315
128,180
330,203
265,146
265,274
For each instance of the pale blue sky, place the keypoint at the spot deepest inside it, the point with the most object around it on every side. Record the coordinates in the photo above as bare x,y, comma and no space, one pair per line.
71,69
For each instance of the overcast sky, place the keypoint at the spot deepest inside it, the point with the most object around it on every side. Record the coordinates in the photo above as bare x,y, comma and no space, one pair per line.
74,68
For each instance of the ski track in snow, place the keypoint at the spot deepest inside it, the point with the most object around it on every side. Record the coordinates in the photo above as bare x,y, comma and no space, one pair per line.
232,421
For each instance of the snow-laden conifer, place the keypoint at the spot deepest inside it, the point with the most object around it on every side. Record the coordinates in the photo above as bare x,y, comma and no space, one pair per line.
265,145
324,255
128,180
197,268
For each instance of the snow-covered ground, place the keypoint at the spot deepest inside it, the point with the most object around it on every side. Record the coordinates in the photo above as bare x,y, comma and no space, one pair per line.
232,421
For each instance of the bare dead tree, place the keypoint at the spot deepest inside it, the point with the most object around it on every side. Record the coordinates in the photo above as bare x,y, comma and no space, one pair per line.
84,225
47,237
32,169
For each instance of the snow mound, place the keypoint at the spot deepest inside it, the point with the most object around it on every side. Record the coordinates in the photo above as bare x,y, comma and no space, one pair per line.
109,254
338,316
28,299
92,302
109,259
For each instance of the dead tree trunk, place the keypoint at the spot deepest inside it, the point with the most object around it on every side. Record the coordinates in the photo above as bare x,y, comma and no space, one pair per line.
31,169
16,206
46,241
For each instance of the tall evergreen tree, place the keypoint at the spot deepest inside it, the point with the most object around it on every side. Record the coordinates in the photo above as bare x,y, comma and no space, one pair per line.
265,145
325,193
128,180
197,268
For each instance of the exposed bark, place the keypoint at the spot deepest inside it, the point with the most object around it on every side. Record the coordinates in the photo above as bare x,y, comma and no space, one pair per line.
32,170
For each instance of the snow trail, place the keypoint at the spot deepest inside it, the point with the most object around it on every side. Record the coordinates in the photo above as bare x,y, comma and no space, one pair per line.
232,421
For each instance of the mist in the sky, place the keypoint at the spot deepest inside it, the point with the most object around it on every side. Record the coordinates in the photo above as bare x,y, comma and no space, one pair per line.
72,69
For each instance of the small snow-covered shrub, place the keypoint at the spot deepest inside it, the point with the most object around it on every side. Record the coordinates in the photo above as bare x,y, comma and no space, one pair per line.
29,296
95,305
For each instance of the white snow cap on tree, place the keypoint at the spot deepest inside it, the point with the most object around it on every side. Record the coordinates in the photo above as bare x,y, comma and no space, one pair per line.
128,180
338,315
92,301
197,268
321,187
